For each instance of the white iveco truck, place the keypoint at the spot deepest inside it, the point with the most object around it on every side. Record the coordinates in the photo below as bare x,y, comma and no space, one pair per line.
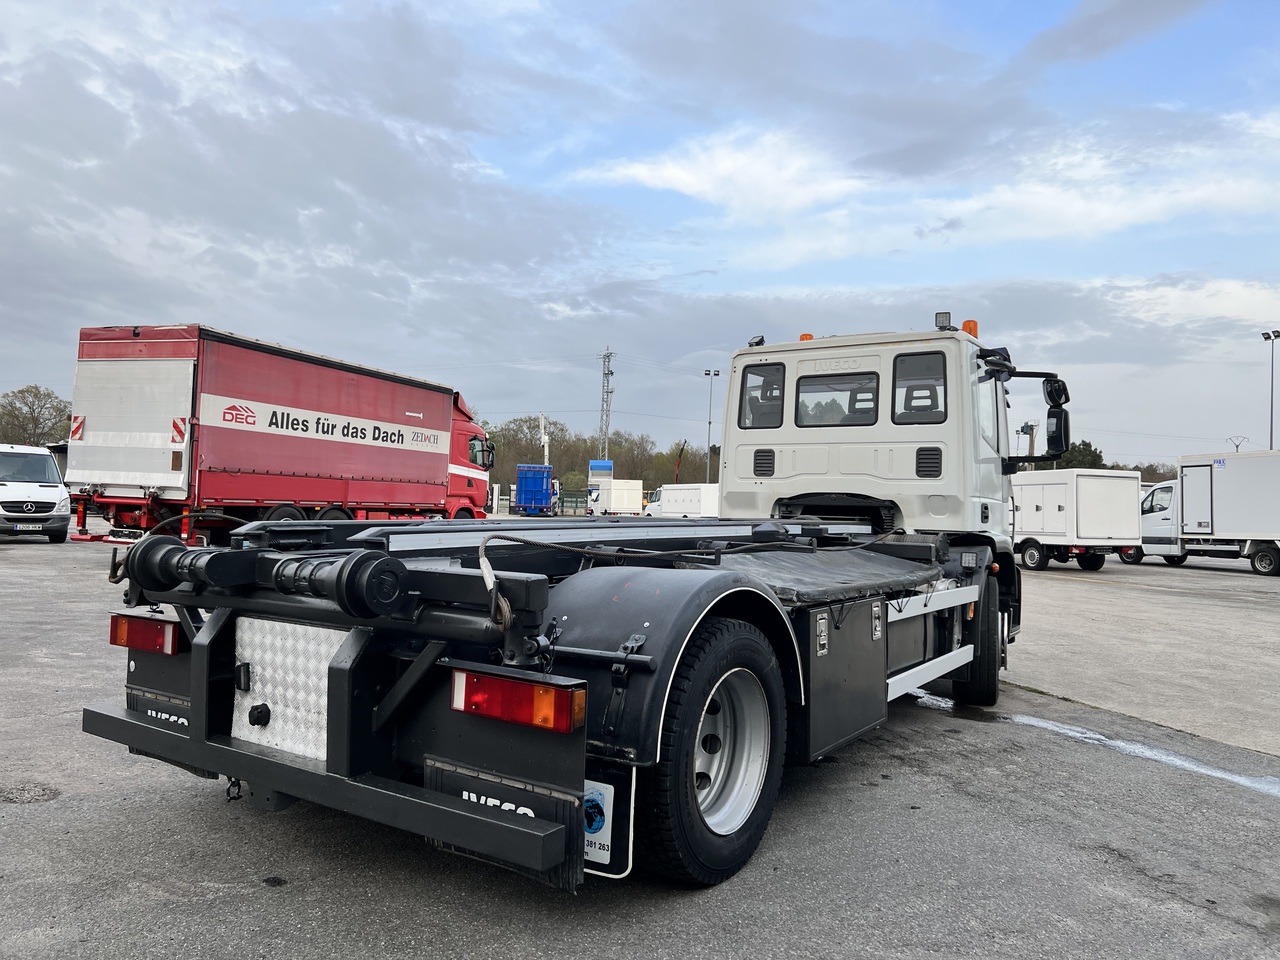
612,691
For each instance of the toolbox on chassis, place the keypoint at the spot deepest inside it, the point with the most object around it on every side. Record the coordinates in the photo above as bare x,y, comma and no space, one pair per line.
600,693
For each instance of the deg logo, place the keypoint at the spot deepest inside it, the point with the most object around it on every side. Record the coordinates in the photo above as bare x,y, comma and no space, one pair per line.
239,413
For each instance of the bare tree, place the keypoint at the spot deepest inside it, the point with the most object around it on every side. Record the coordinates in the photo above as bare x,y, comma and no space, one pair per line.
33,415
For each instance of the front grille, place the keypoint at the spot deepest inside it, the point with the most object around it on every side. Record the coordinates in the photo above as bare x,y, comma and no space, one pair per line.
20,506
929,462
763,463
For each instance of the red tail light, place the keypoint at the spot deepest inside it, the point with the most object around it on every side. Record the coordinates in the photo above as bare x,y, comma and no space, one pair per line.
562,709
152,634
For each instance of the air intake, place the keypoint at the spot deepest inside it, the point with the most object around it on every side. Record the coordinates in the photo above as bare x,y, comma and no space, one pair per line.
929,462
762,463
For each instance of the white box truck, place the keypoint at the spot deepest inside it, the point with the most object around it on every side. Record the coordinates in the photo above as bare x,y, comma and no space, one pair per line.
617,497
1222,505
1079,515
685,500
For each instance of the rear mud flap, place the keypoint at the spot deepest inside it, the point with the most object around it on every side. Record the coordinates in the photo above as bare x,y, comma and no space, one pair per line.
598,822
608,807
507,798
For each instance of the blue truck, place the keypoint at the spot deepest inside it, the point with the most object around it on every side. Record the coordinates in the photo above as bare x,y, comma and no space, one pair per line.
537,492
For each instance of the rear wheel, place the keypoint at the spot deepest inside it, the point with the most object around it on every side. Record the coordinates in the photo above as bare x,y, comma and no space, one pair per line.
1091,561
1034,556
1266,561
983,632
284,511
464,514
1131,554
1177,561
705,804
329,514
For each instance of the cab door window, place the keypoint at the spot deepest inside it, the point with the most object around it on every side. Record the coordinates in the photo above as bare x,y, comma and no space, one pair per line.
989,413
760,405
1158,500
480,452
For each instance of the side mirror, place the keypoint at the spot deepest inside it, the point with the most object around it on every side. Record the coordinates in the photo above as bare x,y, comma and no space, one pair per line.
1057,428
1055,392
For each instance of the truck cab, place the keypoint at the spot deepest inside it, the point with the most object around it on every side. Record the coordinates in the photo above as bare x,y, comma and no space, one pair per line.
470,459
901,432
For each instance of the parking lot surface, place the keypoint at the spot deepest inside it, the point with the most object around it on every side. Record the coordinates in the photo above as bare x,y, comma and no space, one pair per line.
1105,824
1195,647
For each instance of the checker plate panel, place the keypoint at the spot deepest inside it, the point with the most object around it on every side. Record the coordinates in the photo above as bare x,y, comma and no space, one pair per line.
289,671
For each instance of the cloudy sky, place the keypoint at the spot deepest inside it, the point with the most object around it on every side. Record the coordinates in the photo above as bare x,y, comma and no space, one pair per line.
491,193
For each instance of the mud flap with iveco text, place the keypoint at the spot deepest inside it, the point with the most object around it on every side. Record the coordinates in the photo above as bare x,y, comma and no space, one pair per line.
599,821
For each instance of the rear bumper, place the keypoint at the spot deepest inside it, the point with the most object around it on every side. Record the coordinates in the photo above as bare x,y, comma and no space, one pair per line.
521,841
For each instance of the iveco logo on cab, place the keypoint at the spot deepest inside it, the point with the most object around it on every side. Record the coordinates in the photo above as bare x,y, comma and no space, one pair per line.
239,413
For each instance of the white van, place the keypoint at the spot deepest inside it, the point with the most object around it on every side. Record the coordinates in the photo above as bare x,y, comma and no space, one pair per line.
33,499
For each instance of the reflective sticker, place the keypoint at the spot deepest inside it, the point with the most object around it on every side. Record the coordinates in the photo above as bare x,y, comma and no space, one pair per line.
597,817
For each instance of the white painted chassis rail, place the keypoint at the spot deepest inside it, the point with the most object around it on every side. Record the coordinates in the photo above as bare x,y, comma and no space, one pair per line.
916,676
932,602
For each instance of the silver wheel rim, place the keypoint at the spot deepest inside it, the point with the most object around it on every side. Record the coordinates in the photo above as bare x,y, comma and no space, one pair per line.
1033,556
732,752
1266,562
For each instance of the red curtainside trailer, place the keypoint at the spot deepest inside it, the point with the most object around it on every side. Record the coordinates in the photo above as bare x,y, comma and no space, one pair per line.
193,426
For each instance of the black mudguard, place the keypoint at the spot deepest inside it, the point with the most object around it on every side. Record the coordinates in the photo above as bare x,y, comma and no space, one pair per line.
648,615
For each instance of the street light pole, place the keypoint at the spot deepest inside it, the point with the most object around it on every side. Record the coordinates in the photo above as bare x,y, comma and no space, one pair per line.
1272,337
711,383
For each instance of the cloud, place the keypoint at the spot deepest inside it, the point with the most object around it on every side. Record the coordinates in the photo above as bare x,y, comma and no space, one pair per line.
241,182
488,195
1104,181
1098,27
753,175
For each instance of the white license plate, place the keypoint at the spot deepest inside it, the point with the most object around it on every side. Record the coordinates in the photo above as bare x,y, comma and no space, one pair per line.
28,526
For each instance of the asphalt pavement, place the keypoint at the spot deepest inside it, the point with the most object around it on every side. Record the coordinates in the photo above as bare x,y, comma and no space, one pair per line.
1044,827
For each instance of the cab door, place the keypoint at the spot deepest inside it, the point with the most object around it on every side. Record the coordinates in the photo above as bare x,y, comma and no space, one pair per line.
1160,533
990,484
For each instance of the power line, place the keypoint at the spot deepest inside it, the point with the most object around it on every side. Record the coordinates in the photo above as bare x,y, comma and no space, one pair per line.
1155,436
658,364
